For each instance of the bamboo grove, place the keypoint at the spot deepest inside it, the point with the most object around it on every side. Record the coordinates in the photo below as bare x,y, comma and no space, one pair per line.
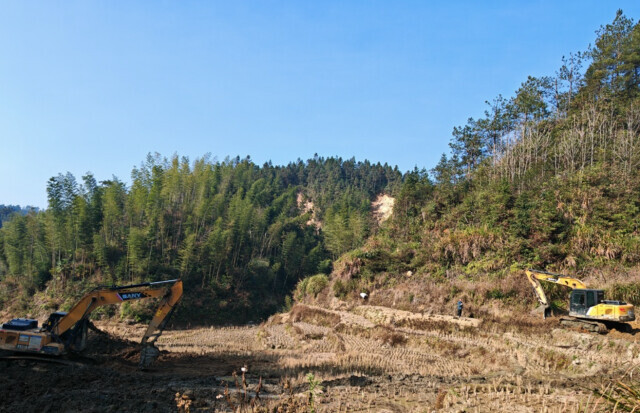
236,232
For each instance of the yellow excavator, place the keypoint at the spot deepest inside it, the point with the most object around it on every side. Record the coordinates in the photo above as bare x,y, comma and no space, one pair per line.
587,307
65,332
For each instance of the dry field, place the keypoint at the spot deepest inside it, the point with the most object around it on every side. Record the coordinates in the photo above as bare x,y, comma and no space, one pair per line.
367,359
375,359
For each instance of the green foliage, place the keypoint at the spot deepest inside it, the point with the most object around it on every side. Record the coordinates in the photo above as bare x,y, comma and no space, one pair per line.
324,266
499,294
548,177
314,389
521,224
615,62
415,190
311,286
6,211
135,311
629,293
235,232
346,226
339,289
453,293
288,304
316,284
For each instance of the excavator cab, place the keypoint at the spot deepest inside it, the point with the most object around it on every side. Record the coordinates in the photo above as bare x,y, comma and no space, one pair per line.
587,303
53,320
582,300
75,338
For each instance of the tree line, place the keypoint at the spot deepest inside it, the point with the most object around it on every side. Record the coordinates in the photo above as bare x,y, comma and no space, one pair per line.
7,210
561,123
546,178
237,233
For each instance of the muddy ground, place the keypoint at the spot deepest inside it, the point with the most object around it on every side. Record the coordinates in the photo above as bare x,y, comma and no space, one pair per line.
365,359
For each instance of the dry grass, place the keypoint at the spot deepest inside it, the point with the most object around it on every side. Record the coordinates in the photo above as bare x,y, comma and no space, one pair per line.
521,364
314,315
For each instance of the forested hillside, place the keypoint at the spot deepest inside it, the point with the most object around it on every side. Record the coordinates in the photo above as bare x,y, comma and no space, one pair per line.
240,235
548,178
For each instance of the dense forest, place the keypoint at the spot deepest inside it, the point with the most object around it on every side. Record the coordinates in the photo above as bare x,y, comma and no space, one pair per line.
240,235
7,210
546,178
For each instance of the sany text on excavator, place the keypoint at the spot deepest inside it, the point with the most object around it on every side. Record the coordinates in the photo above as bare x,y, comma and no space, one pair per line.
65,332
587,307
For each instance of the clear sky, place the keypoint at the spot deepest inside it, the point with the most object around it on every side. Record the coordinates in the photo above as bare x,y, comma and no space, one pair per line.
96,85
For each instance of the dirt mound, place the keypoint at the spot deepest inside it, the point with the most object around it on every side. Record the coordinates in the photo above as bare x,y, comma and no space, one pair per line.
308,207
103,378
104,347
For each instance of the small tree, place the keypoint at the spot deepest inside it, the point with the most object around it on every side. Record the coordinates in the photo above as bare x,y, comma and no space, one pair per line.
314,389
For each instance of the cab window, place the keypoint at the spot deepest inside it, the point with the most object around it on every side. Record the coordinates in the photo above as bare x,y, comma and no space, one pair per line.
578,298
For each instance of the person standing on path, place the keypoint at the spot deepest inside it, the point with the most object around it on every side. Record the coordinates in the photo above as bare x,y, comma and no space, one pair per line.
459,308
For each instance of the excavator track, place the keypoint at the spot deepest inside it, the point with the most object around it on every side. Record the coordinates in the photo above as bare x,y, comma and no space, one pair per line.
42,359
593,326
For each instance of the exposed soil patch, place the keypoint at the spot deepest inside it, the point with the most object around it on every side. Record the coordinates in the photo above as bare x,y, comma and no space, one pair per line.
383,207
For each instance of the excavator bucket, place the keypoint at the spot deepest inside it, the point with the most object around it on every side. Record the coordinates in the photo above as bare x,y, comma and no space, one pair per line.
543,310
148,355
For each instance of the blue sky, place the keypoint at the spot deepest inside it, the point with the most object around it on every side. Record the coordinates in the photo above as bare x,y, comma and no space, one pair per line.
96,85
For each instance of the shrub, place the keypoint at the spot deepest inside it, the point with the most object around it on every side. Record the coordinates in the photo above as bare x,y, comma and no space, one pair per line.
324,267
138,311
499,294
301,289
626,292
316,283
288,303
392,338
339,289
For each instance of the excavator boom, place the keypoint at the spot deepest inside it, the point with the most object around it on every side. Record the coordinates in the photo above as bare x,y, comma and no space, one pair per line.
535,276
149,351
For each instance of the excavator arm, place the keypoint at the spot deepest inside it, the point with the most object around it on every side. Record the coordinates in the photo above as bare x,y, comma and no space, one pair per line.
149,351
535,276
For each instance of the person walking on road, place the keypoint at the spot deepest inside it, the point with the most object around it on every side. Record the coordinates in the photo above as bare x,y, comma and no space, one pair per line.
459,308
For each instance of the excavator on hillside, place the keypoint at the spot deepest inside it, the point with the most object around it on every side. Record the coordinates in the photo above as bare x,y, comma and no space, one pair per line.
66,332
587,307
